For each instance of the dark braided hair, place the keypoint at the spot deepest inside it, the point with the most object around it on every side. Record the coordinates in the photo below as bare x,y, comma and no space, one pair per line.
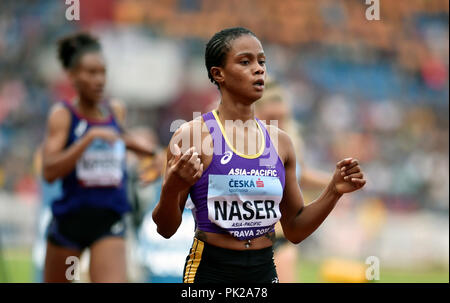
219,45
73,47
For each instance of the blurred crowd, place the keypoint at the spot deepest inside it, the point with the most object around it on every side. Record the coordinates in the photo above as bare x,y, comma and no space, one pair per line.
375,90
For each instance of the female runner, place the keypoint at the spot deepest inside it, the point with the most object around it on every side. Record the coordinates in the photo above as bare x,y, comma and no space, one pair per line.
85,147
240,191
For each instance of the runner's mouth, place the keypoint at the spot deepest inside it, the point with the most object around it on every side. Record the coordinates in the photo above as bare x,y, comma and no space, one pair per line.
259,84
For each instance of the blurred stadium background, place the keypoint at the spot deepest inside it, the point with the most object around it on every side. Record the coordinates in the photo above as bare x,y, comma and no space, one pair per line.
375,90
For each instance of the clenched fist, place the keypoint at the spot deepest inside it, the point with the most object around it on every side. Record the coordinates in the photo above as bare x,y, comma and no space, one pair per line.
348,176
184,170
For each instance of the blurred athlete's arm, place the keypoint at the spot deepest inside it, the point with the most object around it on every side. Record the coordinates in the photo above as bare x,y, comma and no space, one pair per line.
300,221
313,178
183,169
59,161
310,178
130,141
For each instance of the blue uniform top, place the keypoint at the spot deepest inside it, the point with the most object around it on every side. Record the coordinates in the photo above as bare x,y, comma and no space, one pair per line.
99,177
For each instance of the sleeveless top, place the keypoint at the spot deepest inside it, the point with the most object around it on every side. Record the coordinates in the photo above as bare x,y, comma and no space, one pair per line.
99,177
238,194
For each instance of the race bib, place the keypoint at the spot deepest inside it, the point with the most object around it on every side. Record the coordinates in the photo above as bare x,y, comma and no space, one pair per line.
102,164
246,206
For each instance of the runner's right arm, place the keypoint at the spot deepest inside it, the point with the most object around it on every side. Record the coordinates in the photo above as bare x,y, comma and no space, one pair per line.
57,161
183,169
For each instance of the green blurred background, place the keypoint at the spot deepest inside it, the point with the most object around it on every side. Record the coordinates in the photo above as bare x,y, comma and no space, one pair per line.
19,269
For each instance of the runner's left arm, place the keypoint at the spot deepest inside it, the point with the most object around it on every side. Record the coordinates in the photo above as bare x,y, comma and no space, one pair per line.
300,221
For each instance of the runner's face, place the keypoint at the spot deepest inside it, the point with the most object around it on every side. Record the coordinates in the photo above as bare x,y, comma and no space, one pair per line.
89,76
244,71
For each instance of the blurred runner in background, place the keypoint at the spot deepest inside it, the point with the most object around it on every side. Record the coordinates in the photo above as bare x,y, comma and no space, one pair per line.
274,108
85,147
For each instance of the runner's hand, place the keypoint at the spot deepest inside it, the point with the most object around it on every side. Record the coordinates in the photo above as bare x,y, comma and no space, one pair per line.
104,132
184,169
348,176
